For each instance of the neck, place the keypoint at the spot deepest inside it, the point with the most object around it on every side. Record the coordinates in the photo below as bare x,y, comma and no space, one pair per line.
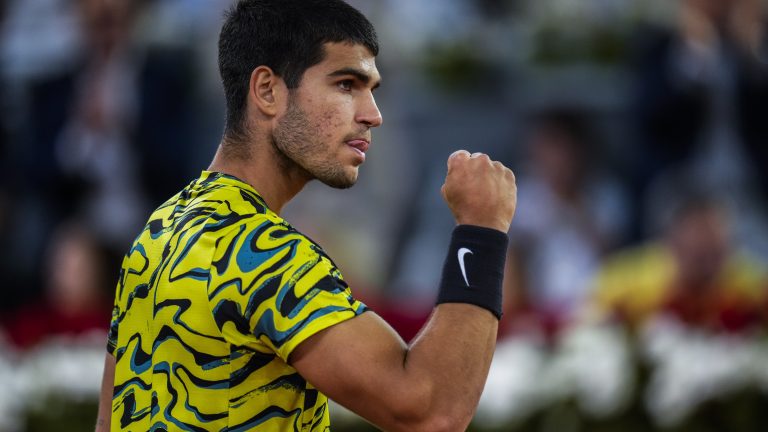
264,170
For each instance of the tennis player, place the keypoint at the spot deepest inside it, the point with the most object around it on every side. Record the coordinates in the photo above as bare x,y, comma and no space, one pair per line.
227,318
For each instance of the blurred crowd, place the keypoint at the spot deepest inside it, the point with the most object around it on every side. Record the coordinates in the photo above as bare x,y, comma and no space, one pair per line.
637,130
680,227
653,201
102,121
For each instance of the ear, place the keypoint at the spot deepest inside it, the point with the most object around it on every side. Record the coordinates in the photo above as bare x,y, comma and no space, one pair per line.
265,90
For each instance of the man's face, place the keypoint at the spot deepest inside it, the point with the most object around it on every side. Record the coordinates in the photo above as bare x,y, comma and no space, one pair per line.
326,128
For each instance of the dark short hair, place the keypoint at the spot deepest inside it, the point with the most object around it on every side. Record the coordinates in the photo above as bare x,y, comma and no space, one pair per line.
285,35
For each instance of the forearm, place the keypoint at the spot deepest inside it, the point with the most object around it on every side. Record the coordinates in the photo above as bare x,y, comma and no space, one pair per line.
451,357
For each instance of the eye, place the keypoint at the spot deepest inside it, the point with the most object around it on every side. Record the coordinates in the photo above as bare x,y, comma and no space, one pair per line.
346,85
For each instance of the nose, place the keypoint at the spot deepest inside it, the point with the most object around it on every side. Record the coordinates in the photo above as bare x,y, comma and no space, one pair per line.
368,113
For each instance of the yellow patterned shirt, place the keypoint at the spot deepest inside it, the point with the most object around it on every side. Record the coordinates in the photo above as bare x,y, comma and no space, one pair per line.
213,297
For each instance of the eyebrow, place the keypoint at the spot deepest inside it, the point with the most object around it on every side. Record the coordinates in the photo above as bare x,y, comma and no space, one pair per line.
358,74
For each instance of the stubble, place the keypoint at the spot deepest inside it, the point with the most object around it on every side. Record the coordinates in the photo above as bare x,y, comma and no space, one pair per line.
299,152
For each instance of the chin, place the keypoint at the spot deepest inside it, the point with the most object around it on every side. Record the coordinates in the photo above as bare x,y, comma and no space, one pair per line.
344,181
339,183
337,177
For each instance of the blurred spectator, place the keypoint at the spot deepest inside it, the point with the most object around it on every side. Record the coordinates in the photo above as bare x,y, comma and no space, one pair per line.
104,136
5,207
101,128
75,299
691,272
700,99
569,213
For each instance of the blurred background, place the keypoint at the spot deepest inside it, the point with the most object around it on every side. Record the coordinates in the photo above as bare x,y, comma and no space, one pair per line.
637,277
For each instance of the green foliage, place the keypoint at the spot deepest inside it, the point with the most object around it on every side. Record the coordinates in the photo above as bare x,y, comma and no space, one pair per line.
553,46
456,67
60,414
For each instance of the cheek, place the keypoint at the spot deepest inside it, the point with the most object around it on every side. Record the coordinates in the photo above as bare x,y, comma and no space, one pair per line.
327,123
331,123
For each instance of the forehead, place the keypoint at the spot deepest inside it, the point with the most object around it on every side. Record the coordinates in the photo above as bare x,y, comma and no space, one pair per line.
344,55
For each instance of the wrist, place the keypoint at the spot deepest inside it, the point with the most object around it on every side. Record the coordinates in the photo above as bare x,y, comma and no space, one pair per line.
488,224
474,268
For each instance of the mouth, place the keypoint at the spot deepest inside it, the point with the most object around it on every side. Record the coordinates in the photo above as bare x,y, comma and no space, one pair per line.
360,145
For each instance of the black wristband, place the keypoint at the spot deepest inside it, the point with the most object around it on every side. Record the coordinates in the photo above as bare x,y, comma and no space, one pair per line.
474,268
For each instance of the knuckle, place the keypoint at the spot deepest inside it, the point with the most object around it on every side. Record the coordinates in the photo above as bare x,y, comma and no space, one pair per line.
459,154
480,156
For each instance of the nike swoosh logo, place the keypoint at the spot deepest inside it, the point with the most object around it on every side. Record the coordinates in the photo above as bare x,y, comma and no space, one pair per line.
462,252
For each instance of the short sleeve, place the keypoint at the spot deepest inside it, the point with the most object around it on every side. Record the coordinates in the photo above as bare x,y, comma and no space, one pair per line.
114,324
279,287
112,335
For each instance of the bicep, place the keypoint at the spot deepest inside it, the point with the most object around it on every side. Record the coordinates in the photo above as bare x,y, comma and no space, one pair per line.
360,363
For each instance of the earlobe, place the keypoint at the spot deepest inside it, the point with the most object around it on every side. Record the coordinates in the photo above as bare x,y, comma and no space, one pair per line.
263,89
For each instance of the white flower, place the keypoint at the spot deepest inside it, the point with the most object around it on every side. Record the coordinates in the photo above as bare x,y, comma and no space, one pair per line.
512,390
691,366
593,365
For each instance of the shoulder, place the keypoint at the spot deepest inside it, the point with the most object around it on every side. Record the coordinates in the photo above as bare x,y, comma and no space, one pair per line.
268,235
206,216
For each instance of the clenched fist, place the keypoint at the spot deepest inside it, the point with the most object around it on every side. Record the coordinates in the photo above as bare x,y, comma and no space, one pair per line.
480,191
